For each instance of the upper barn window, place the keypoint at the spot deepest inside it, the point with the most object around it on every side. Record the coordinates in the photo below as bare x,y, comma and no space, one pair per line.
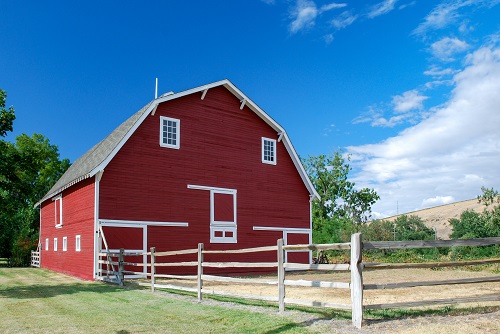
58,211
170,132
268,151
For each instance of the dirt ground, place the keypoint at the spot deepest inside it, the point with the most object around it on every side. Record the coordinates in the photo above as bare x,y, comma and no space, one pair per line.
470,322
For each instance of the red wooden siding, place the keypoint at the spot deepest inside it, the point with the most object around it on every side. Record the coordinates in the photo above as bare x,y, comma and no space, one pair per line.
128,238
223,207
294,239
78,219
220,146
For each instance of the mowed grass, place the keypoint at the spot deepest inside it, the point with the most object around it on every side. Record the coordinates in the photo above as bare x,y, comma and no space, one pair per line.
40,301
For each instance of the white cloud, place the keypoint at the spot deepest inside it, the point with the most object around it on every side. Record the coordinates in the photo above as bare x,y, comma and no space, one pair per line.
407,109
437,72
382,8
331,6
409,100
436,201
344,20
304,15
328,38
406,5
305,12
446,47
454,151
448,12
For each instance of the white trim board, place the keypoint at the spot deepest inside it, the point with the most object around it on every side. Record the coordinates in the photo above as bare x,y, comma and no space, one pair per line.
139,223
217,189
283,229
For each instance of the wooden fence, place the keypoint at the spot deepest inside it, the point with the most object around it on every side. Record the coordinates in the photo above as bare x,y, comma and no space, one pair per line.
35,259
115,272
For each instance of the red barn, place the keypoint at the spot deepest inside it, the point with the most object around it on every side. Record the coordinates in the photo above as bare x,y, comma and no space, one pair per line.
203,165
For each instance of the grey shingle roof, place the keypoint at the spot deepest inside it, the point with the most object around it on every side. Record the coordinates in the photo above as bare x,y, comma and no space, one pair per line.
99,155
82,167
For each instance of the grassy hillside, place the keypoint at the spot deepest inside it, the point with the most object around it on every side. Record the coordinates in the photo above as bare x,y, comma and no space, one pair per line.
438,217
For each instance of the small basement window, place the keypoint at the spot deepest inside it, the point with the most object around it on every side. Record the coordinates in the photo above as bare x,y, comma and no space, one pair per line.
170,132
65,244
269,151
47,244
77,243
55,244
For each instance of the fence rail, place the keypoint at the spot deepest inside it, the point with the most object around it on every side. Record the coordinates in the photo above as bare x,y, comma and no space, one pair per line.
115,262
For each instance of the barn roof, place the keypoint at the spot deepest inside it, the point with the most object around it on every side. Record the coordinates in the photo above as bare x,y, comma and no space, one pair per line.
97,158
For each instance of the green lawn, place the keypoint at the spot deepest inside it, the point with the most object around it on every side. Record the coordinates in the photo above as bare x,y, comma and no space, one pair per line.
40,301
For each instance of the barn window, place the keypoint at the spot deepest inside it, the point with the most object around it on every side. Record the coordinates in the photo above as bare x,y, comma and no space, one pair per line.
223,227
55,244
47,244
65,244
268,151
223,216
170,132
58,211
77,243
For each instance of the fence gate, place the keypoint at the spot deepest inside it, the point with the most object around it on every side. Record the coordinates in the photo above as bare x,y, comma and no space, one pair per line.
112,238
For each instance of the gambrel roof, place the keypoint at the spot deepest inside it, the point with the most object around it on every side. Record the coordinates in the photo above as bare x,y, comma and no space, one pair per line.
97,158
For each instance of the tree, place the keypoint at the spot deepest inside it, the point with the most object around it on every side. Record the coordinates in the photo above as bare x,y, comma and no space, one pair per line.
472,224
341,204
28,169
412,228
7,116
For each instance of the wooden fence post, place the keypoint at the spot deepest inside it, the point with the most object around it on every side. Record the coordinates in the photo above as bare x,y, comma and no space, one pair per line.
356,280
281,276
153,268
200,270
121,276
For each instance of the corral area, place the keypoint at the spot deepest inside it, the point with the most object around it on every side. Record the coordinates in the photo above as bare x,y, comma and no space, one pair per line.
381,296
39,301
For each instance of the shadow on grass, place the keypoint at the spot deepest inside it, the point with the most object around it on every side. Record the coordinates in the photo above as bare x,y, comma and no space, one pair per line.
46,291
381,316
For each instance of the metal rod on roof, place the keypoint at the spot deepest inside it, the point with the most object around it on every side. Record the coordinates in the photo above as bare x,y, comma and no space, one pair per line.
156,89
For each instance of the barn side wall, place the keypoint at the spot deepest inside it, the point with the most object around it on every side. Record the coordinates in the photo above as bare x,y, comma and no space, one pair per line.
220,146
78,219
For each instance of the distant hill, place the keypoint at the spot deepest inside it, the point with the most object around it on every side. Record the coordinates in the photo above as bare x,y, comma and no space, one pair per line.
437,217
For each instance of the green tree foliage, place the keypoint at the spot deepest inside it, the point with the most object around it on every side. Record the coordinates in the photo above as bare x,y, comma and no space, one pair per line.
7,116
28,169
341,204
486,224
378,230
473,224
412,228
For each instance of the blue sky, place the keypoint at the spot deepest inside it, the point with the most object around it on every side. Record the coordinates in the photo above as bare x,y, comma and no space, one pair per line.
411,89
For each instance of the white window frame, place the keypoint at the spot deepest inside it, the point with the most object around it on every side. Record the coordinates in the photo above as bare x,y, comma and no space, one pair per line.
46,244
60,213
55,244
78,246
265,160
65,244
177,134
221,226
